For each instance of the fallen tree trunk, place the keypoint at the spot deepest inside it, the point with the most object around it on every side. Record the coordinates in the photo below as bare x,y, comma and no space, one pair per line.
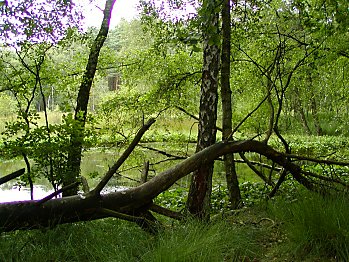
134,201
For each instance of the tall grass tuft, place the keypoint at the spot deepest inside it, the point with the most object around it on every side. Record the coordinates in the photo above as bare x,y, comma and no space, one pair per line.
194,241
105,240
114,240
316,226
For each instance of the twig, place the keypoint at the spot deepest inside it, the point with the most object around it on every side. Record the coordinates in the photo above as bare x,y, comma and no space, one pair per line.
129,178
193,116
123,216
328,179
163,152
145,171
278,184
246,117
56,193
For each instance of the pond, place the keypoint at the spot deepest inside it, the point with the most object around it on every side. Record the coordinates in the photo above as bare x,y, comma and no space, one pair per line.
96,162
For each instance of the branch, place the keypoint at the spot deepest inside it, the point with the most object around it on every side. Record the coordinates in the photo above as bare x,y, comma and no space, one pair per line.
163,153
56,193
320,161
135,201
122,158
261,175
11,176
167,212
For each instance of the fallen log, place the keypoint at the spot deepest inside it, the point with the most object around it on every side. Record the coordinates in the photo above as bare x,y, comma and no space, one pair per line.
134,201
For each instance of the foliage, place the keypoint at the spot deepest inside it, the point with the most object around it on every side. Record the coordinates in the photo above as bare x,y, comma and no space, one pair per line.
252,193
174,198
155,79
48,147
7,105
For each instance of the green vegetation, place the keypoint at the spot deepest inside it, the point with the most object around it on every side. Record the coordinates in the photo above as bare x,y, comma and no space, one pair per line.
112,240
316,226
65,94
307,228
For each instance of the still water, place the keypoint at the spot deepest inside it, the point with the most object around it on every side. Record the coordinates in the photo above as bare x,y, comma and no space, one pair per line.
94,164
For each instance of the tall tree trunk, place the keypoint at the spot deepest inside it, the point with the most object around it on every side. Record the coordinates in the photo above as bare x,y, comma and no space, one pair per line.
198,203
315,114
299,109
229,164
77,137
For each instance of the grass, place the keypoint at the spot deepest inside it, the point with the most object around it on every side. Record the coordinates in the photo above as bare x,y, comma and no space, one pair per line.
312,228
105,240
201,242
316,226
113,240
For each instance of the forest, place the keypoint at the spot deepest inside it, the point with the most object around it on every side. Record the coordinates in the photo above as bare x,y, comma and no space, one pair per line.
197,131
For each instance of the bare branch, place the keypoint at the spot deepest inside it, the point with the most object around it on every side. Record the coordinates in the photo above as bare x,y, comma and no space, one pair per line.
320,161
11,176
56,193
167,212
122,158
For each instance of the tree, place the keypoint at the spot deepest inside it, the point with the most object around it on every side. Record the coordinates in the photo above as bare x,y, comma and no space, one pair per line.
229,164
74,158
199,195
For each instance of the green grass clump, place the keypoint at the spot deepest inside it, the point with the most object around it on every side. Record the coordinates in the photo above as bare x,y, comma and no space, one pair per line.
316,226
194,241
115,240
104,240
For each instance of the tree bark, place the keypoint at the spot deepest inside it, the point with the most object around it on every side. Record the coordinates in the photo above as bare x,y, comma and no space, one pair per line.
134,201
74,158
229,164
198,203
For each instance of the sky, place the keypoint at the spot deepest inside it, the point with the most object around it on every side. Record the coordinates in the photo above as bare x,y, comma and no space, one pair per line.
122,9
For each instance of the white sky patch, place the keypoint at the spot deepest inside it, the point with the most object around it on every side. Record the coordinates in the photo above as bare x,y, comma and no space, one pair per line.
93,12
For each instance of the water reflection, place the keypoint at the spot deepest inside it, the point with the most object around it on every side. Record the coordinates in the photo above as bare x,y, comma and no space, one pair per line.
21,194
